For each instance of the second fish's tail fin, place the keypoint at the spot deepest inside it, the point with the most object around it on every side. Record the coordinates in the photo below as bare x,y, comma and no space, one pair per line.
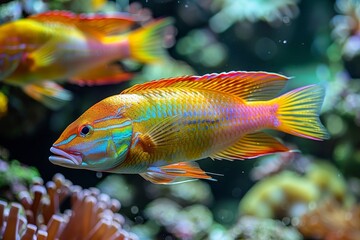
147,43
298,112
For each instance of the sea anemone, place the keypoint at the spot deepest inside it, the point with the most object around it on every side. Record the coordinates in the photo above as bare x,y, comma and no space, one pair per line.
38,216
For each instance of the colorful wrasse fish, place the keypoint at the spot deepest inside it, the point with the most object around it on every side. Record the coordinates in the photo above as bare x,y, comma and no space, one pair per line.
158,129
82,49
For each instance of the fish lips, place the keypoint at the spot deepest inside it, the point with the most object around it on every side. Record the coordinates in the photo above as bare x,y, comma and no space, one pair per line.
63,158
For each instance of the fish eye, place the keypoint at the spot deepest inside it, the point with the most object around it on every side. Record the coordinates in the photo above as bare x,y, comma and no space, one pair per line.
85,130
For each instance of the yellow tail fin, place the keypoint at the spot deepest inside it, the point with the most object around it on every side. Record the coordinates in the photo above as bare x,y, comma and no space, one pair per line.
146,43
298,112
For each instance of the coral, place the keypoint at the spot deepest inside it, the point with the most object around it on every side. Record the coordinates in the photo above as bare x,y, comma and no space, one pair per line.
142,14
92,214
10,11
291,194
111,185
192,45
252,228
330,221
347,26
189,193
302,200
15,177
191,222
233,11
271,165
346,33
328,179
285,194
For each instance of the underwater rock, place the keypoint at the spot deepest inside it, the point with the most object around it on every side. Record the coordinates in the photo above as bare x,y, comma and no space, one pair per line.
92,214
330,221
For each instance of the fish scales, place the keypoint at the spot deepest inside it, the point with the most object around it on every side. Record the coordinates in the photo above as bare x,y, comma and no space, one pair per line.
209,121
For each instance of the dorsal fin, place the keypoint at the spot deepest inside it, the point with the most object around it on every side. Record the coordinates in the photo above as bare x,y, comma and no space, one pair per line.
250,86
104,24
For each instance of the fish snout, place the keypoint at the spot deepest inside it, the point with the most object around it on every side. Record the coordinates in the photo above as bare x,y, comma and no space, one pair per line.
62,158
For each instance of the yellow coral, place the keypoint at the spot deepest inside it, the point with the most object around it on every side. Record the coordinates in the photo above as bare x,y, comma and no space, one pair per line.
290,194
275,194
328,179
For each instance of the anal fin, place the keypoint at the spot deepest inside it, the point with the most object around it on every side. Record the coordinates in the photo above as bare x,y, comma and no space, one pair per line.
49,93
175,173
252,145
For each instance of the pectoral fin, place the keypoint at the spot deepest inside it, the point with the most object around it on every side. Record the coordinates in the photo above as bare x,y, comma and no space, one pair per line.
102,75
251,146
50,94
43,56
161,135
175,173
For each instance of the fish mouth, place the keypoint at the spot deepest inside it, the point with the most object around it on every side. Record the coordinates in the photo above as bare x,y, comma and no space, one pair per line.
63,158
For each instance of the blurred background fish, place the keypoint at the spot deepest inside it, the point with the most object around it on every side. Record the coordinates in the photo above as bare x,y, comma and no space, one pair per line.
158,128
81,49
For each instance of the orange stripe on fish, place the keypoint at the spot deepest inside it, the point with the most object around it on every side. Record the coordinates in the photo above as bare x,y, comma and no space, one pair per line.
158,129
